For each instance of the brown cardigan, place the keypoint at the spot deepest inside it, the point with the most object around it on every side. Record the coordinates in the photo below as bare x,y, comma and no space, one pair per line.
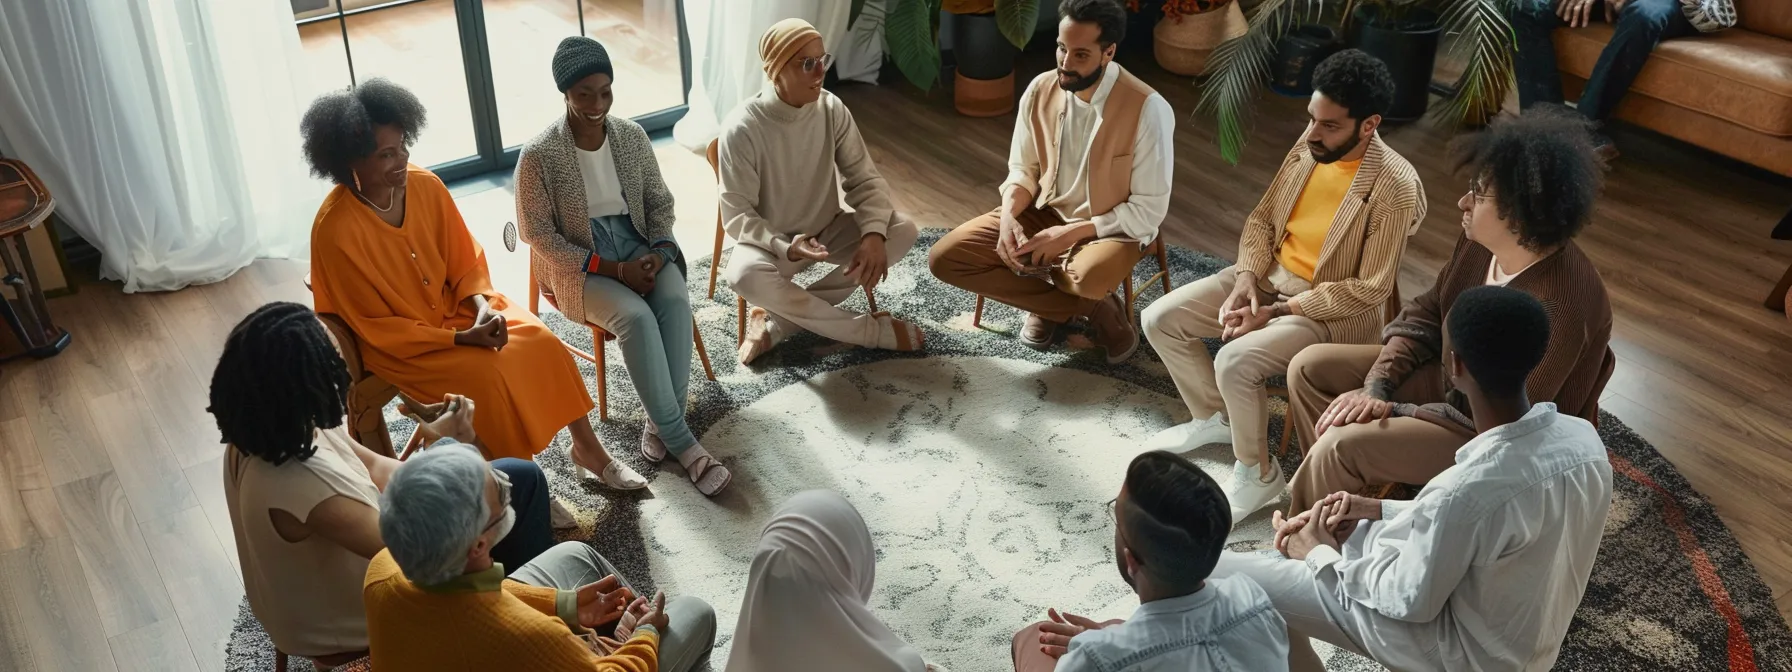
1574,370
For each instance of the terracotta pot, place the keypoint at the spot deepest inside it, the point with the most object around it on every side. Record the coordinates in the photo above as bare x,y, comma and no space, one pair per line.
983,97
1183,44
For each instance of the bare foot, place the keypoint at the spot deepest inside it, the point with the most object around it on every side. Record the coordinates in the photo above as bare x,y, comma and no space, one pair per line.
758,337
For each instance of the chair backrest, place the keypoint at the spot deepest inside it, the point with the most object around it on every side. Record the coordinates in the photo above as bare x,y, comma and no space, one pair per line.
715,157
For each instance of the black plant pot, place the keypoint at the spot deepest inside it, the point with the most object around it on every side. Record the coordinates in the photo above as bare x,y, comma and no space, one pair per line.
979,48
1409,48
1139,36
1297,54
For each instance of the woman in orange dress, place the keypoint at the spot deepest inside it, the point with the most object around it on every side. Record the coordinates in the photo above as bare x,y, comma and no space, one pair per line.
392,257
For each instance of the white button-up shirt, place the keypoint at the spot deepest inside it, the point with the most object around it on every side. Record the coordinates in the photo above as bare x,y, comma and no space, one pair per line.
1229,624
1489,562
1153,162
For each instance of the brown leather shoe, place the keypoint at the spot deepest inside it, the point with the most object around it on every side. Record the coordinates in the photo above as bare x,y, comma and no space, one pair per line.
1113,330
1038,333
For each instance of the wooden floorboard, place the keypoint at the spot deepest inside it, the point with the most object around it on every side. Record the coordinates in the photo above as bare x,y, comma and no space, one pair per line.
151,478
200,581
46,593
155,647
121,575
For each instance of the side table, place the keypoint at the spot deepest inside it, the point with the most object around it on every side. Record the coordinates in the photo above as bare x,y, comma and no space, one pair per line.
24,205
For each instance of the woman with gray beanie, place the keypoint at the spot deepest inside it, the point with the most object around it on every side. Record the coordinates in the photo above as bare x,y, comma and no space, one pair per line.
596,213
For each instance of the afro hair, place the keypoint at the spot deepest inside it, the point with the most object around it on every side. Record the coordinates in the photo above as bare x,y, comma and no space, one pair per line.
338,127
1541,170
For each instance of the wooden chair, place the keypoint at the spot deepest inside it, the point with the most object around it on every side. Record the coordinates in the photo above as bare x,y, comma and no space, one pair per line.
1157,249
715,256
368,393
598,337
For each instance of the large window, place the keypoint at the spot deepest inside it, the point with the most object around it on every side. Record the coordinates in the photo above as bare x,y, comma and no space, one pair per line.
481,67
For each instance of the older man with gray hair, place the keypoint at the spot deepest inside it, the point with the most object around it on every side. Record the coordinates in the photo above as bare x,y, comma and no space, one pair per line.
436,600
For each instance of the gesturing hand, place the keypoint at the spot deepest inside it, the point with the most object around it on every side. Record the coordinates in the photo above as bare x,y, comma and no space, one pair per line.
603,601
1353,407
653,614
805,247
870,263
1054,637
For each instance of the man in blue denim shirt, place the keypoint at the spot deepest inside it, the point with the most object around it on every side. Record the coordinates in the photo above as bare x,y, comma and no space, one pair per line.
1171,521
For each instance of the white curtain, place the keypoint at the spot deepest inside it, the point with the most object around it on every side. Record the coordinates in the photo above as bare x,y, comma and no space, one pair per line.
167,130
725,67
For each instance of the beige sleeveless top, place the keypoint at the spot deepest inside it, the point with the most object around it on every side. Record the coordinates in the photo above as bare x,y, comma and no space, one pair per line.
307,595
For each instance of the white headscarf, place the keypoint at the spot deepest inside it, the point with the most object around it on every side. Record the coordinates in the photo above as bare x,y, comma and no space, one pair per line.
805,607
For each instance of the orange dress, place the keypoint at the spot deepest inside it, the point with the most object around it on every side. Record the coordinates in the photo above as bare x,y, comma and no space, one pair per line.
401,289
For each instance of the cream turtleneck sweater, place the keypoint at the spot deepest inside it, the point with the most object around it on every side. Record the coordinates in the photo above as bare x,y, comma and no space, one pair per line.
779,166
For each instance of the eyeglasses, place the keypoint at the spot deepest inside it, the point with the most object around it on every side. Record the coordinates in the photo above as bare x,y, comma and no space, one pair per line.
503,482
1113,507
811,64
1478,190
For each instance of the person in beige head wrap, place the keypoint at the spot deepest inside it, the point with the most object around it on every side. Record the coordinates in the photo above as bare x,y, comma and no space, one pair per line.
782,41
780,155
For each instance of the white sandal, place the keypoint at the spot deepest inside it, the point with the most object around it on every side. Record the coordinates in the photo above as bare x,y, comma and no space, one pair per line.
710,477
652,447
616,475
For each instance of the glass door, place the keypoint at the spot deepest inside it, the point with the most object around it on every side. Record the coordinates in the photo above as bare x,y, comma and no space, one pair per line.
481,67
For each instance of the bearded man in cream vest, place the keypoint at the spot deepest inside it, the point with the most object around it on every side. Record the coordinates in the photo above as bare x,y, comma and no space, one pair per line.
1088,184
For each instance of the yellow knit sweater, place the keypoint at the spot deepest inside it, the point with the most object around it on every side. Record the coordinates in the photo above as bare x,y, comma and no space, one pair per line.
484,622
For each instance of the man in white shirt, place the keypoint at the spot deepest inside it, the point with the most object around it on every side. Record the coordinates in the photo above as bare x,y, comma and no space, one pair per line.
1170,524
1485,568
1088,184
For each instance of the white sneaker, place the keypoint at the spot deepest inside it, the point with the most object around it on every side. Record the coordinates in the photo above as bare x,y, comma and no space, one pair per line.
1191,435
1247,492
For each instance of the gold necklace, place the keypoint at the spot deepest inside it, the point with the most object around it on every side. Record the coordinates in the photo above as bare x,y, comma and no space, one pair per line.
393,200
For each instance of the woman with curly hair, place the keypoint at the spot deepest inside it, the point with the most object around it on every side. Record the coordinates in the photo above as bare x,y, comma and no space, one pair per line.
1388,414
598,217
392,257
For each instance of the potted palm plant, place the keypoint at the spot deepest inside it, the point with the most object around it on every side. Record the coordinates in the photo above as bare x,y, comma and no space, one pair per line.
1191,29
986,36
1403,33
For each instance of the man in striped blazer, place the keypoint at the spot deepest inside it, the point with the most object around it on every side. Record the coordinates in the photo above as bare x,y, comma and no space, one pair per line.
1318,261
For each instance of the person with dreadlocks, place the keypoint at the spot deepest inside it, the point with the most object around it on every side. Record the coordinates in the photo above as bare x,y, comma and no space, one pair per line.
392,257
304,497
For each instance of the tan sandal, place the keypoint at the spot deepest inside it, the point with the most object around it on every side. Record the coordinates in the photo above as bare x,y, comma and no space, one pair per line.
906,336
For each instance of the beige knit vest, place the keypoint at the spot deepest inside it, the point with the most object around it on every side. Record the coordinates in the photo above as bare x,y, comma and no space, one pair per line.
1110,151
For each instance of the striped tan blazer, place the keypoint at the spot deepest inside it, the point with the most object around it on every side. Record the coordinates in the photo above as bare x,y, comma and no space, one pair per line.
1359,264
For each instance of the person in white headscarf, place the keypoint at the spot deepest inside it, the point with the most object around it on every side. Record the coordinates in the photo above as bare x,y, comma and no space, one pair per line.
807,593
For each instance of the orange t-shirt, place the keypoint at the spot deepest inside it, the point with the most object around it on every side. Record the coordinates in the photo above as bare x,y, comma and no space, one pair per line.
1311,218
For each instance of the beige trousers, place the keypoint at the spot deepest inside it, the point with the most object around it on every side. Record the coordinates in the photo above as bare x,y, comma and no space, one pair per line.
764,280
1352,457
1232,383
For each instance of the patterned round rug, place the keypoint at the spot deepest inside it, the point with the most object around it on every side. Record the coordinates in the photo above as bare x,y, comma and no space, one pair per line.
982,468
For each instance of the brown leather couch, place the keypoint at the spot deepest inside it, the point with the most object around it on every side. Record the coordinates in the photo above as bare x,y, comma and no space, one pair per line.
1729,92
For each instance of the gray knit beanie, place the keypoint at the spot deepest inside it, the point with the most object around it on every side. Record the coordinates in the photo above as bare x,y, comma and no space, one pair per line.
577,58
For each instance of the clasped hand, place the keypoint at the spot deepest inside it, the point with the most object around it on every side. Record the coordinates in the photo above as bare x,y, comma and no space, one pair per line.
1337,514
641,274
1246,309
488,330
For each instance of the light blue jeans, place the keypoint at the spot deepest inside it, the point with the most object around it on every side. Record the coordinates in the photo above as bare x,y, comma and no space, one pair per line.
653,331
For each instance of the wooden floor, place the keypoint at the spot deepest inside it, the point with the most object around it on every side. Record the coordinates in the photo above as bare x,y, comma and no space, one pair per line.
116,551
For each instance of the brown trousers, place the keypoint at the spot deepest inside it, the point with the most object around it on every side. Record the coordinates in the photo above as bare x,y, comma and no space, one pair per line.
966,258
1352,457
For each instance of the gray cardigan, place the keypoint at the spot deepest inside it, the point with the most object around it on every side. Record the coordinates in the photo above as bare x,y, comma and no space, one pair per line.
550,204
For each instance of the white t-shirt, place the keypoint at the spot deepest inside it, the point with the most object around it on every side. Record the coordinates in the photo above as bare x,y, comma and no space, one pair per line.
1072,198
1499,278
603,191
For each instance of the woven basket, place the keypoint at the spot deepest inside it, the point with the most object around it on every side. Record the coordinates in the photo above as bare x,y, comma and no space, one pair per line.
983,97
1182,46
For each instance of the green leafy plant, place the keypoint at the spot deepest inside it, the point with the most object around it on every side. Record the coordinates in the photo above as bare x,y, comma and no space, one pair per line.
1483,40
911,30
